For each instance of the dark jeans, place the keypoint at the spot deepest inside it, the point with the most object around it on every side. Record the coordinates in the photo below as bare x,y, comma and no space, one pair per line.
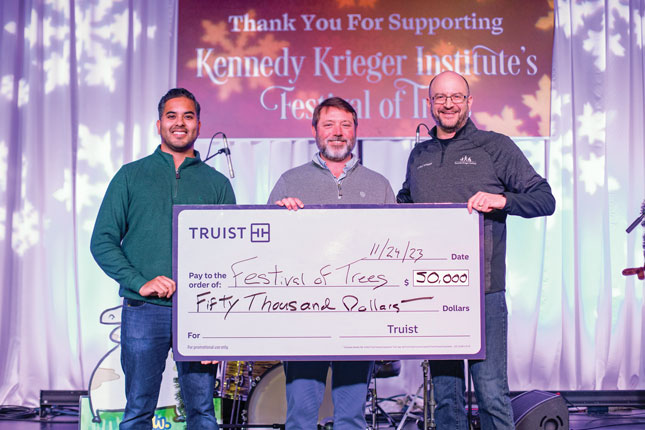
146,338
306,386
489,378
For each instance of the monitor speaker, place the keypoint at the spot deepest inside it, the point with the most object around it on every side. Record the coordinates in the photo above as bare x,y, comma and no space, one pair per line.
540,410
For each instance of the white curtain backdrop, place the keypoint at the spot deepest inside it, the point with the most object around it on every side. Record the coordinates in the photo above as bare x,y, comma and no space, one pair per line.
79,84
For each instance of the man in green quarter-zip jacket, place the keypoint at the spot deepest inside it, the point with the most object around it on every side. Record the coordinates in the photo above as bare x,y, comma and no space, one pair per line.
132,243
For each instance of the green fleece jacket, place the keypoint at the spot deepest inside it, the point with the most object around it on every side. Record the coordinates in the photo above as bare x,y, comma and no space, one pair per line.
132,237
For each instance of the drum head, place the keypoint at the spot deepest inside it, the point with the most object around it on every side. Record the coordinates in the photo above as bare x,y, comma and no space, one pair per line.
267,402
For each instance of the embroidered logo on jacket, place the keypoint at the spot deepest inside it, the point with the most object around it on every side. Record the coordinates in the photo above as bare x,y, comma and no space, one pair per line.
465,160
424,165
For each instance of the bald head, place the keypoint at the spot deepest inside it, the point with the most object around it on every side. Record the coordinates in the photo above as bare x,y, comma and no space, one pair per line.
450,75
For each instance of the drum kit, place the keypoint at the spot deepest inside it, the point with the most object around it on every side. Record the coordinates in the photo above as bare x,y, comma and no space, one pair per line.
253,396
236,383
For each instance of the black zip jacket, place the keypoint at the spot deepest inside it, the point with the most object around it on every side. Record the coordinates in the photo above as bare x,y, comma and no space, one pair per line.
453,170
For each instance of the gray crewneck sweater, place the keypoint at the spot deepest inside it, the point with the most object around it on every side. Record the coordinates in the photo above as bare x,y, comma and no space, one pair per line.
313,183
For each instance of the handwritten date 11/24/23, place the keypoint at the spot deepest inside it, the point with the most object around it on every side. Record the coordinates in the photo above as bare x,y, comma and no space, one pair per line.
388,251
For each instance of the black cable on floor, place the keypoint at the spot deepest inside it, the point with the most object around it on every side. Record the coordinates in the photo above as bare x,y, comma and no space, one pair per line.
25,414
11,412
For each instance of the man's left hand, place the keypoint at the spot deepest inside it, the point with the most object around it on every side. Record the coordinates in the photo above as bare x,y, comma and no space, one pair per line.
486,202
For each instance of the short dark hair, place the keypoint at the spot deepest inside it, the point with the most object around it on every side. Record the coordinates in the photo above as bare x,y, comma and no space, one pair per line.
432,80
335,102
175,93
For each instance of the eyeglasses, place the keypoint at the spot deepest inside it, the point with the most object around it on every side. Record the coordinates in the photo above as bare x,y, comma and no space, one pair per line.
455,98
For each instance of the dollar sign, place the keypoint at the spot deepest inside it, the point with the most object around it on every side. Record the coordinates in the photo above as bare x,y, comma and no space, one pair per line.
406,283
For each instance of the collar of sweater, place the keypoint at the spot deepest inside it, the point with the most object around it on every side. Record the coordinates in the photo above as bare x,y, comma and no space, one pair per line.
351,164
464,131
167,159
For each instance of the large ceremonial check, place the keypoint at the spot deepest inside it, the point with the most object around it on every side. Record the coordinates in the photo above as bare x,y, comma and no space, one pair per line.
340,282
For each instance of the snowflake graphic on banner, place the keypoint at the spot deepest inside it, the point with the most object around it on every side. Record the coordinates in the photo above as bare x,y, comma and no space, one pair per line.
246,44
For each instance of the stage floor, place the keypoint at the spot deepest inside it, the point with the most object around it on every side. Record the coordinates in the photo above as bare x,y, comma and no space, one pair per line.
629,419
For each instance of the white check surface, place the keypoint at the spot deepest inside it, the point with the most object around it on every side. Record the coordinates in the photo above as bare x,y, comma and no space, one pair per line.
338,283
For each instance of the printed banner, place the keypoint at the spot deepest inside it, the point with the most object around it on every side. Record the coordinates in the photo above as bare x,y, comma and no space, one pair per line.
259,68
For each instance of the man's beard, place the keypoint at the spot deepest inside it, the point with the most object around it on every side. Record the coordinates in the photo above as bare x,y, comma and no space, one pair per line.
332,154
461,121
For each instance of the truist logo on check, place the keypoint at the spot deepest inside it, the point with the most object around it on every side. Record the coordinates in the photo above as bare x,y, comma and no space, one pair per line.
255,232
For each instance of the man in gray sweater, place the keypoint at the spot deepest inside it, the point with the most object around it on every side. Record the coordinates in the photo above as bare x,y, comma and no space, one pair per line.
334,176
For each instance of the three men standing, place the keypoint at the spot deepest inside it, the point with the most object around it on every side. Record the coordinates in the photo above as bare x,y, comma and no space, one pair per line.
132,244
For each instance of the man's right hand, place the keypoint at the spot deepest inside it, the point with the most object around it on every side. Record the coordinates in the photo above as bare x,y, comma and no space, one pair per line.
291,203
161,286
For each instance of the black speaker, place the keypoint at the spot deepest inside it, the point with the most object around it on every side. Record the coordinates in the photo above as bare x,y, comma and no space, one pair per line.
540,410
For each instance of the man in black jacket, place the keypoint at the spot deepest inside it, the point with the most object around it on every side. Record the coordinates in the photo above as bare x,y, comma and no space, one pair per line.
489,172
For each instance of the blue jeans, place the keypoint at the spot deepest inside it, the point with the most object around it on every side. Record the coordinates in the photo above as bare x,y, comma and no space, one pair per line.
306,387
146,338
490,379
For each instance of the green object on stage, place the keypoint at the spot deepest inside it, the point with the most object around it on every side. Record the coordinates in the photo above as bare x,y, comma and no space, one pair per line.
164,418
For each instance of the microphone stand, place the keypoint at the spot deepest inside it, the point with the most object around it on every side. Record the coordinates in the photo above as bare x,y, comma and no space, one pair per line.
225,150
637,221
428,391
638,271
416,140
